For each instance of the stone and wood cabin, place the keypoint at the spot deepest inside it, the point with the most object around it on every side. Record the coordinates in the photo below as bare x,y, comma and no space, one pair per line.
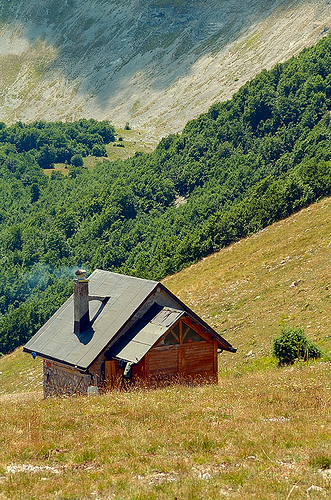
124,329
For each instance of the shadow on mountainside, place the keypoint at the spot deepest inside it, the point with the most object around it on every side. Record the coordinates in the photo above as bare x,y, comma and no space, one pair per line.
111,53
120,38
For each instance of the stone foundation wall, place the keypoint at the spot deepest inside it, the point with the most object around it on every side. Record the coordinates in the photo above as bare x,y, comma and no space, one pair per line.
60,380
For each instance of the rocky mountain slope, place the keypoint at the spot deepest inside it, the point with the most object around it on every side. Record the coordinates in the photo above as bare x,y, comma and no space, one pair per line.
155,64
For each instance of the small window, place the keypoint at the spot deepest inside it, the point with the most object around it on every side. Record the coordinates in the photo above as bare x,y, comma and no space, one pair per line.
190,335
172,337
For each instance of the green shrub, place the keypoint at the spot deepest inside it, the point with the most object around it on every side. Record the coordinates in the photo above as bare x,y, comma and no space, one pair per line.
77,160
292,344
99,150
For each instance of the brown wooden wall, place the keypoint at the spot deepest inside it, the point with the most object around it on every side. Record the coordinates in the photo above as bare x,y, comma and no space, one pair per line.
186,361
181,362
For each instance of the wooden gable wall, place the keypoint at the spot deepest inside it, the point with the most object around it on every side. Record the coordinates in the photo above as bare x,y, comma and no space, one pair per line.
179,361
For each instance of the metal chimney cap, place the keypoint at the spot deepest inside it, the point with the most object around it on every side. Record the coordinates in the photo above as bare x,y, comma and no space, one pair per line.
80,273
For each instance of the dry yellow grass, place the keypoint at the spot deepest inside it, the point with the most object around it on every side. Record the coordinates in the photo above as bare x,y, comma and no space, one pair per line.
259,436
20,373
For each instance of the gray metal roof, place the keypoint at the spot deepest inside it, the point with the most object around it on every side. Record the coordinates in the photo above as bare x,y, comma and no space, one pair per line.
57,340
145,333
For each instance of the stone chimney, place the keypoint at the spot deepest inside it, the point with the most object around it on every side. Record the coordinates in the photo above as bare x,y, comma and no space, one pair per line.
81,301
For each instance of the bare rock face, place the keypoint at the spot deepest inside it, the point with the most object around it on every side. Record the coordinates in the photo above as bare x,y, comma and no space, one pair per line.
155,63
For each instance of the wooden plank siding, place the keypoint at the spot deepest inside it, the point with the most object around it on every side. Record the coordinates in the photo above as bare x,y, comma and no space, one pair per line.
185,360
139,370
199,358
163,361
182,361
112,374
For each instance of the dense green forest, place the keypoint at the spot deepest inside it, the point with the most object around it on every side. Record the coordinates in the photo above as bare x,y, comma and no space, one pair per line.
58,142
241,166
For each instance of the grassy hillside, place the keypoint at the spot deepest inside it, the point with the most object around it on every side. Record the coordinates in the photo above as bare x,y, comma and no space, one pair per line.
156,63
20,373
280,276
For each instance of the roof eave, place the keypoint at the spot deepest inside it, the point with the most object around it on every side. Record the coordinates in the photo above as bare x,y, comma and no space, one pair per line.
61,361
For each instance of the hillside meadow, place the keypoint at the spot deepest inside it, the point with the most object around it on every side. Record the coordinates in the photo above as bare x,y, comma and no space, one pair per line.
262,433
265,435
280,276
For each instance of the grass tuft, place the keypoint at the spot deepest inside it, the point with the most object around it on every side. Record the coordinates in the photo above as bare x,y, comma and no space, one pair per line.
320,461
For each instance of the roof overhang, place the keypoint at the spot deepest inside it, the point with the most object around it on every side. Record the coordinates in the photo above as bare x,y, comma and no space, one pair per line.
144,334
